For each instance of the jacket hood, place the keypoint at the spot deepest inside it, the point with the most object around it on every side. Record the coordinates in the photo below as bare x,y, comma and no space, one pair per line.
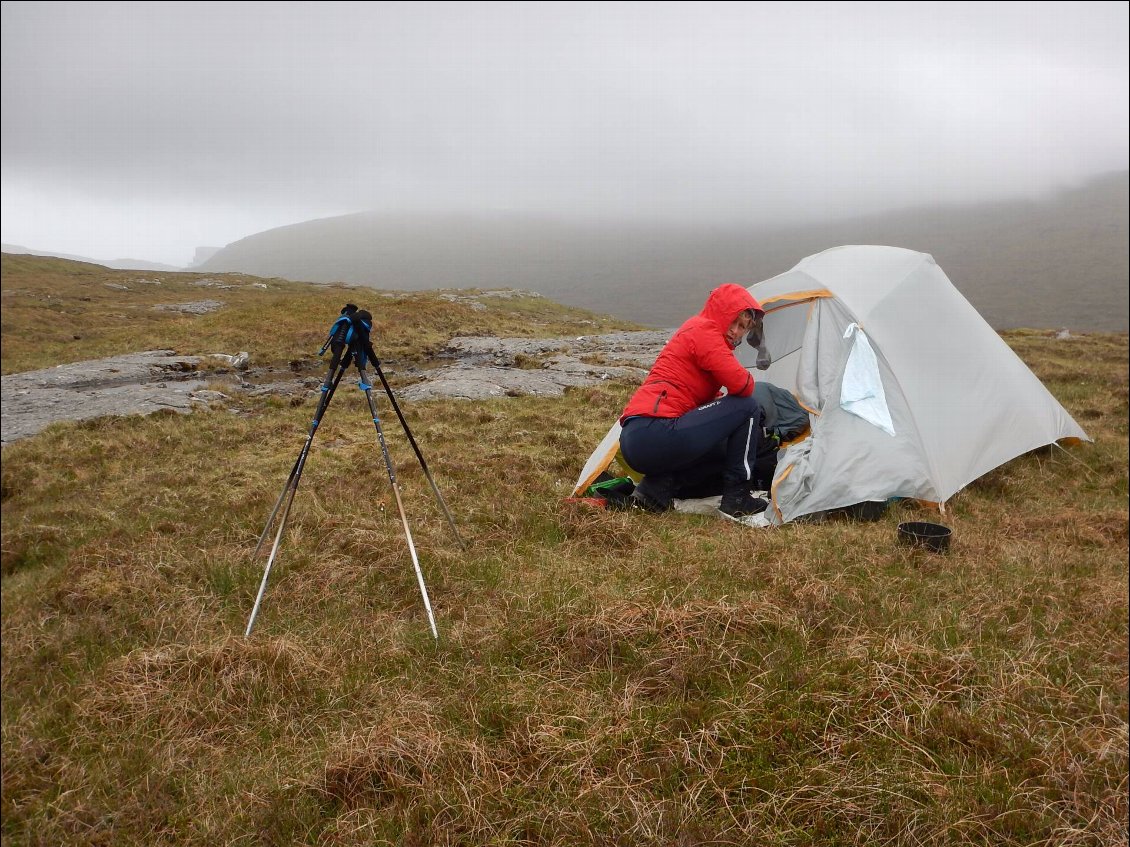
725,303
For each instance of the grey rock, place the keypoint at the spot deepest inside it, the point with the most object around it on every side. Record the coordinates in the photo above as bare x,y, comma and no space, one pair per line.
484,365
198,307
208,396
640,348
142,383
239,361
138,383
470,382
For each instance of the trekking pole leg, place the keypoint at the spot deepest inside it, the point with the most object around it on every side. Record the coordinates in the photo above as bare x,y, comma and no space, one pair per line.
279,502
291,490
333,377
399,505
419,455
270,561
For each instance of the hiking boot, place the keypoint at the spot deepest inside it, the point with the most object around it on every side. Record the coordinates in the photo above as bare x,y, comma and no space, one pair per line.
654,494
738,504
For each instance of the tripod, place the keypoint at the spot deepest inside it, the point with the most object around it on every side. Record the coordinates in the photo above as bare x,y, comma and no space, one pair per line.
350,344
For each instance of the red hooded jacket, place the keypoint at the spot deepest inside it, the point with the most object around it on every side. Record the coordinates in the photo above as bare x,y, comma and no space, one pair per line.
697,361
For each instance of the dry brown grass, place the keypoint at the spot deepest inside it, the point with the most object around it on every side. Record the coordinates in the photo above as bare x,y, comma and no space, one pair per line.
601,678
57,311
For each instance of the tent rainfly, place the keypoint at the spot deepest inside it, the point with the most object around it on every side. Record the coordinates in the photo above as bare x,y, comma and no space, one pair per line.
910,392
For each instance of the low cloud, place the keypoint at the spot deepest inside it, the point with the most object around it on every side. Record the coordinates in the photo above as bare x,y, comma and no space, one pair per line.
147,129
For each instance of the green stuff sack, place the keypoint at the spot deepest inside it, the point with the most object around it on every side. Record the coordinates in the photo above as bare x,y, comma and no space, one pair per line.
617,491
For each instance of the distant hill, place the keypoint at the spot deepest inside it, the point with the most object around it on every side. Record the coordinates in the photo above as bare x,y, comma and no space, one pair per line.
203,254
1058,262
117,264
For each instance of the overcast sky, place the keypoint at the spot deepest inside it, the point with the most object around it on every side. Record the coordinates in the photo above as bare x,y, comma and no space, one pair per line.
144,130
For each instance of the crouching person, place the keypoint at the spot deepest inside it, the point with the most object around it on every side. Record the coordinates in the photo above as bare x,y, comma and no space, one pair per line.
679,430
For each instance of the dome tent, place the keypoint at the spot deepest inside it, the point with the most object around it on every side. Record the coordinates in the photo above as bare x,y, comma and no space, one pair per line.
910,392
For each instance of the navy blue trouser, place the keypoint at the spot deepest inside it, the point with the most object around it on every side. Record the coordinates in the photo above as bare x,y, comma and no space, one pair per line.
718,438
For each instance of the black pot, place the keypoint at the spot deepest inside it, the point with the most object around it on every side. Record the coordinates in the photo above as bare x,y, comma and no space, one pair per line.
932,536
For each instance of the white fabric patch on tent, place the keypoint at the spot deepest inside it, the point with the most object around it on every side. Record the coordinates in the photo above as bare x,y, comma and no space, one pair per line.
861,393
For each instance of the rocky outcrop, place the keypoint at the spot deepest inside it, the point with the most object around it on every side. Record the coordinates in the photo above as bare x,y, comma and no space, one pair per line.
480,367
135,384
498,367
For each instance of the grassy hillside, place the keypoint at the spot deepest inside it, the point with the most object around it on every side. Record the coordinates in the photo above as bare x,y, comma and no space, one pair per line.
56,311
601,678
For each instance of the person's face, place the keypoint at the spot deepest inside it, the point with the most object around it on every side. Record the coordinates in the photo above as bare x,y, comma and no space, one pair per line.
738,329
